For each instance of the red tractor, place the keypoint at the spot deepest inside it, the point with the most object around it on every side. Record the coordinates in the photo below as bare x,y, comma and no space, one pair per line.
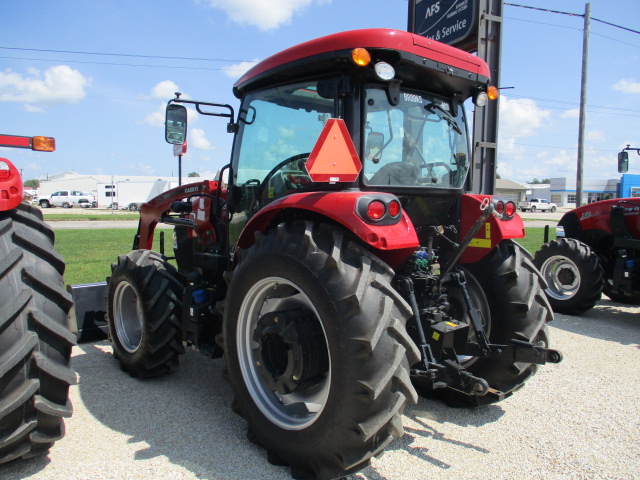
35,343
337,262
597,250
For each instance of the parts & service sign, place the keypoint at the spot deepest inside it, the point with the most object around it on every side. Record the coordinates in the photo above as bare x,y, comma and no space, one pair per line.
446,21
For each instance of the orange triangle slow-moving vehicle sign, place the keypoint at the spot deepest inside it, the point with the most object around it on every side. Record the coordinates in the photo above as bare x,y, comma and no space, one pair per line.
334,157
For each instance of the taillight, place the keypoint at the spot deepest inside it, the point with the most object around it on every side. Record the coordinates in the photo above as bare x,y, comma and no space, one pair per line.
5,172
510,209
376,210
500,207
379,209
394,208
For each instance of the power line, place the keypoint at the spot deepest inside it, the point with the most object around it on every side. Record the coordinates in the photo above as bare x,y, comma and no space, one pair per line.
117,64
543,23
162,57
614,25
571,14
615,40
564,102
545,10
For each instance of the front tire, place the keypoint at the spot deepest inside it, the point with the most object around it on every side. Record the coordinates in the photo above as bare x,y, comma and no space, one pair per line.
316,349
573,274
44,204
35,343
144,306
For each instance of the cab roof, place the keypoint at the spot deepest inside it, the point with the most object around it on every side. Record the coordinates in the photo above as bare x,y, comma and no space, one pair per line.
394,46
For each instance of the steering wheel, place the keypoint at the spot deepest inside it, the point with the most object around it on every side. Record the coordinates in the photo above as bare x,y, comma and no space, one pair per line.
431,166
258,196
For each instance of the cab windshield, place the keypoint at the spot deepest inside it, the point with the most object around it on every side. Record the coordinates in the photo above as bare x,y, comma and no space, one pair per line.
420,142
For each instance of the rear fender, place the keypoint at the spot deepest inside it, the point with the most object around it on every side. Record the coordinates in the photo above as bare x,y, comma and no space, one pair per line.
392,242
11,191
493,232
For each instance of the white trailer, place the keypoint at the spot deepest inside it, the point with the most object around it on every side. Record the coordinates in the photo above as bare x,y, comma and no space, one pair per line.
130,195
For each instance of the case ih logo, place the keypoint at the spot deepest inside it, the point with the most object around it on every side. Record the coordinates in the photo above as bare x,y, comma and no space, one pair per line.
586,215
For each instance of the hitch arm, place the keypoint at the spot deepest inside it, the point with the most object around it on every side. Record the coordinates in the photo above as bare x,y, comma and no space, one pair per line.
519,352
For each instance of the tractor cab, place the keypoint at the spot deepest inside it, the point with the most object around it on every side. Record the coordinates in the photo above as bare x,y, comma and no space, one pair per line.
400,97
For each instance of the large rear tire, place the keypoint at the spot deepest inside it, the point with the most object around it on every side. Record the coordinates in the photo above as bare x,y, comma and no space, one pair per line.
574,275
508,291
144,306
316,349
35,343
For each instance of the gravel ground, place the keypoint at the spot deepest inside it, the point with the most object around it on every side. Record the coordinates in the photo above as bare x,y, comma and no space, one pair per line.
576,420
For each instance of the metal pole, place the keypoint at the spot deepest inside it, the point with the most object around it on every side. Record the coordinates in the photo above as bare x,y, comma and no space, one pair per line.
485,119
583,104
179,170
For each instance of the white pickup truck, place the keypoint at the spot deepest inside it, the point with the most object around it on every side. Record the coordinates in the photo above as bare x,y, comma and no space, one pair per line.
536,204
67,199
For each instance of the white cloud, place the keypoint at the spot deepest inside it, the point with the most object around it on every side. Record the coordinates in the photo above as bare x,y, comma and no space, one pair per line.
56,85
165,90
239,69
263,14
573,113
520,117
627,85
197,139
156,119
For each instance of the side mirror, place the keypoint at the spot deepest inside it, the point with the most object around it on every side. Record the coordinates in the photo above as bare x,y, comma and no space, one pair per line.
623,162
175,125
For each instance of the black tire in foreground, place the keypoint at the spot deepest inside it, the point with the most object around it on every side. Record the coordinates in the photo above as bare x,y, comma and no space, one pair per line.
574,275
507,289
316,349
143,311
35,343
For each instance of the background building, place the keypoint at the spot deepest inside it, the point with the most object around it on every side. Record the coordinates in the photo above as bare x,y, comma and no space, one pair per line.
563,190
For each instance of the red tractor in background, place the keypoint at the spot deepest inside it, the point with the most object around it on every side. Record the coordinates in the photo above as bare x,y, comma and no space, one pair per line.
35,343
337,262
597,250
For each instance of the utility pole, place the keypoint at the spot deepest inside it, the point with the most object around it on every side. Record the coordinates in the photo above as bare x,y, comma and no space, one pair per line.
583,104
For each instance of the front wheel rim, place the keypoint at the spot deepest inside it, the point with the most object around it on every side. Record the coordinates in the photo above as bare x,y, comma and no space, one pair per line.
128,316
562,277
296,410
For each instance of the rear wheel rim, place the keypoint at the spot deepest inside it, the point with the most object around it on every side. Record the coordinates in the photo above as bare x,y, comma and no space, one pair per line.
296,410
128,316
562,277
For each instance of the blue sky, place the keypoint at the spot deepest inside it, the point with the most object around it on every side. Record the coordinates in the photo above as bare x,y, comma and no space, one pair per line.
106,111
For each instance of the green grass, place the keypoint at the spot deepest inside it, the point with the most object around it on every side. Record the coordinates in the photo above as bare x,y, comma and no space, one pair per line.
90,253
534,238
57,217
